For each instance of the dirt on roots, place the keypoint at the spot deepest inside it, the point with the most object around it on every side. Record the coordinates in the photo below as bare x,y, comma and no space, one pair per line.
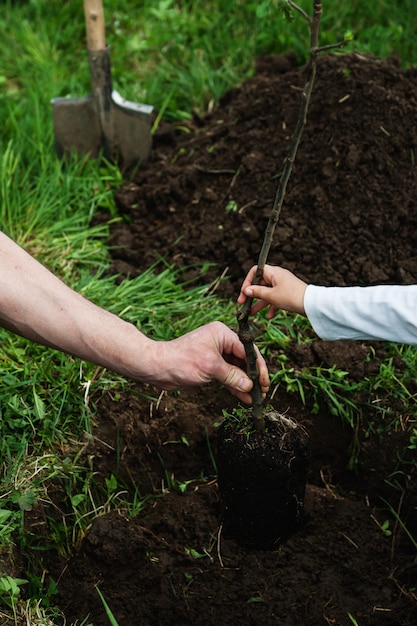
349,218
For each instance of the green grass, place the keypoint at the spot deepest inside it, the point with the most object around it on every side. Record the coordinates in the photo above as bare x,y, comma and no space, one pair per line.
176,56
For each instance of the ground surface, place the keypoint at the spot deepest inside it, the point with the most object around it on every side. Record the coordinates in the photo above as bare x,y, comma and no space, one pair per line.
349,218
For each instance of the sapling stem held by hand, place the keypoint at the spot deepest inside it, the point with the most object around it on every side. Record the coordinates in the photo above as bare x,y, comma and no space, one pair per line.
245,333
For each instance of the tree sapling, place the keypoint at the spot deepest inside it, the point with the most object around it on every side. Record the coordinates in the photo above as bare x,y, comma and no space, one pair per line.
262,455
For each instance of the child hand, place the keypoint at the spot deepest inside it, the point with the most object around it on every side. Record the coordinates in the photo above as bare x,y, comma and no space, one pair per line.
278,289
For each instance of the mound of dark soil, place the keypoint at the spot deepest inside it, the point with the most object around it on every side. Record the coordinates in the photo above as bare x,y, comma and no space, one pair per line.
349,218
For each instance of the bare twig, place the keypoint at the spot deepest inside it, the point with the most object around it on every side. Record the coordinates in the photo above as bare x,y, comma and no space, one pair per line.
245,333
301,11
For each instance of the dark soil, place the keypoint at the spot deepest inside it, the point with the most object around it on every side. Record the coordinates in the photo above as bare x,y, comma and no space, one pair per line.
349,218
265,472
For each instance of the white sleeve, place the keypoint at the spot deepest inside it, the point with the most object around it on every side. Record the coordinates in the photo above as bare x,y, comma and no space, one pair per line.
386,312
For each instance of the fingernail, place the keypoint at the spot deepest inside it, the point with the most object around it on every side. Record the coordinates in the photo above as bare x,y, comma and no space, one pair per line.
249,292
245,384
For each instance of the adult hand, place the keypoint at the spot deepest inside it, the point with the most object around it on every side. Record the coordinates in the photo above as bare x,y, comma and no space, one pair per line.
211,352
278,289
39,306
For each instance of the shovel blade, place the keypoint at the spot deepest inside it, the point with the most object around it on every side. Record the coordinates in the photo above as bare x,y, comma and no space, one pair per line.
132,130
76,126
78,130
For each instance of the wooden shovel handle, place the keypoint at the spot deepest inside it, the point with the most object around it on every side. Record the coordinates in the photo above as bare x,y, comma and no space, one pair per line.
94,22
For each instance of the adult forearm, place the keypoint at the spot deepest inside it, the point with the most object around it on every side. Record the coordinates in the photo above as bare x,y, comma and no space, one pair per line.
37,305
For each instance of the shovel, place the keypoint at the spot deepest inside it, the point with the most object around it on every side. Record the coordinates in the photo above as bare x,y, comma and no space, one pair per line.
103,122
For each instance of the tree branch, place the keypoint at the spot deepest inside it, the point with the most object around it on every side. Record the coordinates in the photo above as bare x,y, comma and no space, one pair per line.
245,334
